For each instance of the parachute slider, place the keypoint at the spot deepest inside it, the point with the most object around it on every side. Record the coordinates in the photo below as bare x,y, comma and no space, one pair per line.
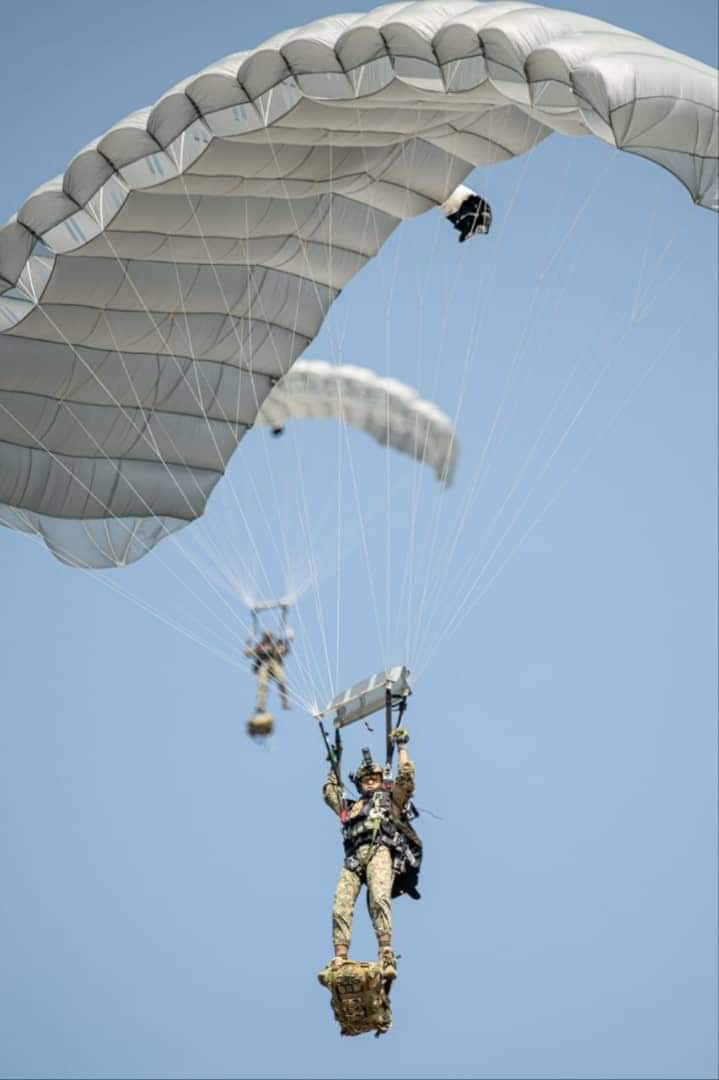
368,696
270,605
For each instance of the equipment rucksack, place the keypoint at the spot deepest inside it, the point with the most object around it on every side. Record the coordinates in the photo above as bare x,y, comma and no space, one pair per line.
359,997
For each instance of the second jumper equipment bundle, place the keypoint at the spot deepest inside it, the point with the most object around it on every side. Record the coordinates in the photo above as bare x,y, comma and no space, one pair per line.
382,851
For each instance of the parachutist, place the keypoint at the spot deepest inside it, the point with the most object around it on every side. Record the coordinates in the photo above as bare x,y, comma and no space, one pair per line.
387,410
268,655
382,850
470,214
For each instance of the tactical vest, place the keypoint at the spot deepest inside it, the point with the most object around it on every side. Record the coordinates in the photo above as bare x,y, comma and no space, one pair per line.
265,654
376,822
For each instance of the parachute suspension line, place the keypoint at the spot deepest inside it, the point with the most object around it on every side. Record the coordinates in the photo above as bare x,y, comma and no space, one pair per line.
640,313
338,565
298,231
240,343
112,584
453,587
565,434
157,614
345,433
429,571
388,457
305,521
458,531
365,549
243,584
439,589
413,621
461,589
468,604
387,293
417,486
96,499
311,551
370,222
280,364
362,531
152,444
471,589
418,622
408,580
143,412
598,182
643,265
196,393
306,517
398,247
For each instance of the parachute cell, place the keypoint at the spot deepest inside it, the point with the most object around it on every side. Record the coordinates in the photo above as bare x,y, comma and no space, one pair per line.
152,295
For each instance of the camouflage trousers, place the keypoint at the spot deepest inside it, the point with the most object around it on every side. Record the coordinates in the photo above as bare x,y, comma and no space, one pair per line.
270,669
377,876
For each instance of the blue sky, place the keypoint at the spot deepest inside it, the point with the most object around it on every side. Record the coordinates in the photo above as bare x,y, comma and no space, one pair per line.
167,884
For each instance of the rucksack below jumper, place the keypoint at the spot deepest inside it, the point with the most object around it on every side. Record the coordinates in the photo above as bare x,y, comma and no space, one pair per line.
360,1000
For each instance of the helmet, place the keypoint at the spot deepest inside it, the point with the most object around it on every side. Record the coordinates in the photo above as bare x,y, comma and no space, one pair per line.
367,768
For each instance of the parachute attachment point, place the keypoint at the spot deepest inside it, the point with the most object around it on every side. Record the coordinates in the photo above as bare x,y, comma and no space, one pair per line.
360,996
260,725
369,696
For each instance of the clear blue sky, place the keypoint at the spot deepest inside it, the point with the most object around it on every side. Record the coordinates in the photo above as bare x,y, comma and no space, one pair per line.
166,884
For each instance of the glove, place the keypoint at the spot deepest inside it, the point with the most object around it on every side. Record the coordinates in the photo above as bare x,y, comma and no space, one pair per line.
399,736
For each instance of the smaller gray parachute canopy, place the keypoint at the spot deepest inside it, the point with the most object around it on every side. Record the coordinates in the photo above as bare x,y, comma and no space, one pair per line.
392,413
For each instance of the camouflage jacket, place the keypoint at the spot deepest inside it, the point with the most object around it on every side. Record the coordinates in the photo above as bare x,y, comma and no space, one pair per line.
265,652
401,791
382,819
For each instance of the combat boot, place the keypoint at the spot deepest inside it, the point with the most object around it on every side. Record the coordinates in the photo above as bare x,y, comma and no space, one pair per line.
387,963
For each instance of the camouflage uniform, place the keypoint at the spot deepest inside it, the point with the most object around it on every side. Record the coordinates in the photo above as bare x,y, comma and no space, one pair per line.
267,657
271,668
371,865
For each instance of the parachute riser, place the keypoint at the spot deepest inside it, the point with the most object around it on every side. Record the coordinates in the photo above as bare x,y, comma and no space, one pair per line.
269,605
389,705
386,690
334,753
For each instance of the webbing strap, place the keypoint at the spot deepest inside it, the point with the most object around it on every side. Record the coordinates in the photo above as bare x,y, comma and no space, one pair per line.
401,707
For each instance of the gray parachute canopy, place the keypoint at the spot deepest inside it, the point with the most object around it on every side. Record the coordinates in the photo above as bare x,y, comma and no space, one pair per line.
152,295
389,411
